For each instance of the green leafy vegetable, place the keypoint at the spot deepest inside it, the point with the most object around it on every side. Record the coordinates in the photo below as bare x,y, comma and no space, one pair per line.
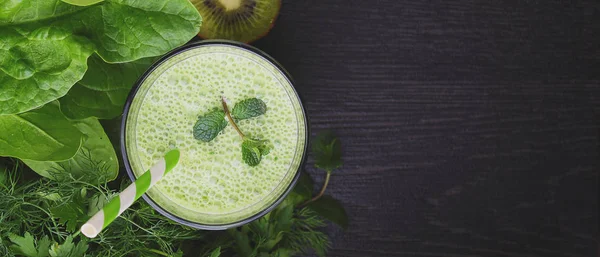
28,246
82,2
69,249
249,108
141,231
43,134
331,209
283,232
40,61
38,65
17,12
96,160
208,126
327,151
103,90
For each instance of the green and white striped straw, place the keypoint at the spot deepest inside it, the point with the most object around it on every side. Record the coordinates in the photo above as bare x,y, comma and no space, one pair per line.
120,203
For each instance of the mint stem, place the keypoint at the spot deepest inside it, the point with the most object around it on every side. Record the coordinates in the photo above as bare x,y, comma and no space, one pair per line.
320,193
230,118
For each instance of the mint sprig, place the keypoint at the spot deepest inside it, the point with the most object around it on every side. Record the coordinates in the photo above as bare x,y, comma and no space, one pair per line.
208,126
211,124
327,150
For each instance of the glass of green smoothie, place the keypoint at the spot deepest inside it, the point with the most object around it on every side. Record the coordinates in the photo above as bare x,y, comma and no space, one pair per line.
211,187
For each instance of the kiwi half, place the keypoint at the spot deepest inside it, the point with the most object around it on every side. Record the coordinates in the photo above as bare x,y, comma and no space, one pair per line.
239,20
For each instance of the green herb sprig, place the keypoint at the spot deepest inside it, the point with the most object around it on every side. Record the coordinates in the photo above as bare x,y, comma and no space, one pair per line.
327,152
212,123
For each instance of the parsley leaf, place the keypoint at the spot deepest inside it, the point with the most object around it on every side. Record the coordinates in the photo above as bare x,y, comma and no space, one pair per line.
249,108
327,151
208,126
69,249
253,150
73,212
26,245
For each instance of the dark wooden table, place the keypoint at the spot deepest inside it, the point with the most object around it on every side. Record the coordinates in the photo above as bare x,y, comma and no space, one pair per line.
469,127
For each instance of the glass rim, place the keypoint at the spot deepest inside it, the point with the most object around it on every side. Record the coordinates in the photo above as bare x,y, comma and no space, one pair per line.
133,93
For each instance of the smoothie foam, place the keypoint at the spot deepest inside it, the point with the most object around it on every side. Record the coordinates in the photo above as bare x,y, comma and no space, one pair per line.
211,184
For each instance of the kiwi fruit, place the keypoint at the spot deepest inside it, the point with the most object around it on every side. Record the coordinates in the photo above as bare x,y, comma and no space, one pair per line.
239,20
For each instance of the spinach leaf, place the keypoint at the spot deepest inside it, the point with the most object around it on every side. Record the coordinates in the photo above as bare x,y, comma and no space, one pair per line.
96,160
127,30
38,66
41,60
43,134
17,12
103,90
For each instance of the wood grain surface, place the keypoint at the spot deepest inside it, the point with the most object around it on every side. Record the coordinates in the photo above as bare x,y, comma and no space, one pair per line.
469,127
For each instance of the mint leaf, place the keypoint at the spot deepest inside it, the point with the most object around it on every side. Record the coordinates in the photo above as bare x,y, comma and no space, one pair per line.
249,108
208,126
250,154
253,150
26,245
69,249
327,151
331,209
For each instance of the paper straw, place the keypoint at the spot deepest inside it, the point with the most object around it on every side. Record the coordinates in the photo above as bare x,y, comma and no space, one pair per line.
121,202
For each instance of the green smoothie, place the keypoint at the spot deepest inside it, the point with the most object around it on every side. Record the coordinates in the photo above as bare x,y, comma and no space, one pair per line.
212,185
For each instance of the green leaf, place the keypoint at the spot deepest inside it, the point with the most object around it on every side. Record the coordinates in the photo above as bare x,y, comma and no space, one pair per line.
249,108
38,66
27,246
208,126
69,249
72,213
216,252
327,151
82,2
41,60
127,30
96,160
253,150
103,90
43,134
17,12
331,209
